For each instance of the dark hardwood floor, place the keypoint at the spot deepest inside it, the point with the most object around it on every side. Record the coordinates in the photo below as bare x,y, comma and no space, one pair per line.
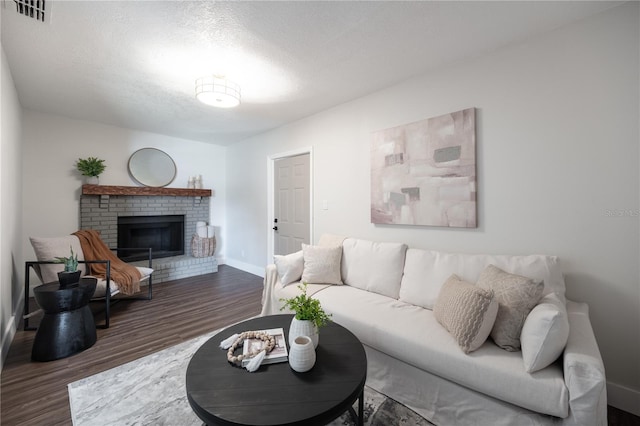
34,393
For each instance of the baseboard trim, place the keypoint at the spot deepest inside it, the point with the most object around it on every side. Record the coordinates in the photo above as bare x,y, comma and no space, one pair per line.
10,330
7,338
247,267
624,398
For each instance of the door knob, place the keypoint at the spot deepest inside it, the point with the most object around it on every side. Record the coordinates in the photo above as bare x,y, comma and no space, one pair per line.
275,228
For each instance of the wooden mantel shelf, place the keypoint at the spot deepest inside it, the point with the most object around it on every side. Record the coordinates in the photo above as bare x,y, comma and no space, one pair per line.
143,190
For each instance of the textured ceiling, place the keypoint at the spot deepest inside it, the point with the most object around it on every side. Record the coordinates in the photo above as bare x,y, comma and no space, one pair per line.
133,64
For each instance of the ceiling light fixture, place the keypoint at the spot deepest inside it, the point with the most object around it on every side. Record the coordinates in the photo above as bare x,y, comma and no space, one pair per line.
217,91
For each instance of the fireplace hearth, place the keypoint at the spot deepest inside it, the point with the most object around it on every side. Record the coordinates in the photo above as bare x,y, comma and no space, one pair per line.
164,234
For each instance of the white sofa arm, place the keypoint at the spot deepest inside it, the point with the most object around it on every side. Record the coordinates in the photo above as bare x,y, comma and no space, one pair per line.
270,304
584,373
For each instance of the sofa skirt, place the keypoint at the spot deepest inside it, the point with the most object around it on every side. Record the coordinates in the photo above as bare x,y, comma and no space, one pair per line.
442,402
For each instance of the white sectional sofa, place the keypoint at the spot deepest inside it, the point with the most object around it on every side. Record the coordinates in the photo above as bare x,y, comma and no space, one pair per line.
387,300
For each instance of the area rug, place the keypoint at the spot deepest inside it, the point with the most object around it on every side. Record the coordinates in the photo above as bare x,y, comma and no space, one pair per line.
151,391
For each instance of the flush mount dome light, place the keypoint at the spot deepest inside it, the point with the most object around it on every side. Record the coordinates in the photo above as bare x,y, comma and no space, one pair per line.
217,91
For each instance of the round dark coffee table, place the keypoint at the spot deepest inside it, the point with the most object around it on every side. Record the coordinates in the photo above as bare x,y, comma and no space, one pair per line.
221,394
67,326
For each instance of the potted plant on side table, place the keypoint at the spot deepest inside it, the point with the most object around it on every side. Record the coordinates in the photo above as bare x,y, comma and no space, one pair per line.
71,274
91,167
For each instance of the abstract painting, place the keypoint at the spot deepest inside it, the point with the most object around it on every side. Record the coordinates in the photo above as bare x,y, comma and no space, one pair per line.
424,173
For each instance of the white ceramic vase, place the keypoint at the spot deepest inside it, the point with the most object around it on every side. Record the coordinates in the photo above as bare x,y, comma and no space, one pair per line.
302,354
303,328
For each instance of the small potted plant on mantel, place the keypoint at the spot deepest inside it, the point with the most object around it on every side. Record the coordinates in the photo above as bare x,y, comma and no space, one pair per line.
71,274
309,316
91,167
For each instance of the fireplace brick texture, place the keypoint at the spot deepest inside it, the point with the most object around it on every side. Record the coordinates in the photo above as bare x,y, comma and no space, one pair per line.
101,212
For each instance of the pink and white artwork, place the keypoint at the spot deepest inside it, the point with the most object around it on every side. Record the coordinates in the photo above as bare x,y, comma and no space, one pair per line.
424,173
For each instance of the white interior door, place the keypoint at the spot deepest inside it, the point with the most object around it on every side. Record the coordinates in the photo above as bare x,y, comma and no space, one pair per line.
291,203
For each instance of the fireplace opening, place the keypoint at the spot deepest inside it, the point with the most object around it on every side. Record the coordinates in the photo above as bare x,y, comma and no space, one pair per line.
164,234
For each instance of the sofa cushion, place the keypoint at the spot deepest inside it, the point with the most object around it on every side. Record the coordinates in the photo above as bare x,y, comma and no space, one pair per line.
426,270
412,334
289,267
423,277
331,240
466,311
373,266
321,264
544,334
516,296
101,286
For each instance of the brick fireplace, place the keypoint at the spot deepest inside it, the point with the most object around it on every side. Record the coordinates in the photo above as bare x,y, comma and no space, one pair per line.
102,207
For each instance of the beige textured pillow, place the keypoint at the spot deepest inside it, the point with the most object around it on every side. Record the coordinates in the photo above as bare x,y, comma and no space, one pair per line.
466,311
49,248
321,264
516,296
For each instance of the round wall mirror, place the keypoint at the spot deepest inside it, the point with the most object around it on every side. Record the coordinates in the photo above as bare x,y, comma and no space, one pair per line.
152,167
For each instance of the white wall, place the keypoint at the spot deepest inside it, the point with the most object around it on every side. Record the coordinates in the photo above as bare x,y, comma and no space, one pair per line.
10,209
558,159
52,185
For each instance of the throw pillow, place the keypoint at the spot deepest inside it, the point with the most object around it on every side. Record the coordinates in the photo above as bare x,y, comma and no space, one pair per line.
51,247
289,267
466,311
545,333
321,264
516,296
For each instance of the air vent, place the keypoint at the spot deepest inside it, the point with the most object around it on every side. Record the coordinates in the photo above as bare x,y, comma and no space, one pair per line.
34,9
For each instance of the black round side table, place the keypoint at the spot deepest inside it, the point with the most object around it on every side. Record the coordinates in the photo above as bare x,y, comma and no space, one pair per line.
67,326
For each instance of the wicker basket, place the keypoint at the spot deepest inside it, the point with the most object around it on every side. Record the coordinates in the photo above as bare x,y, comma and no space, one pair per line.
202,247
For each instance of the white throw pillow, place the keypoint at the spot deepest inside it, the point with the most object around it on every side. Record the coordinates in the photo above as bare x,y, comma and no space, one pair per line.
373,266
289,267
321,264
545,333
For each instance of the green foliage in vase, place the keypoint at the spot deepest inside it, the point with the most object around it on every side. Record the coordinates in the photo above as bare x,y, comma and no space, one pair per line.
70,263
306,308
91,166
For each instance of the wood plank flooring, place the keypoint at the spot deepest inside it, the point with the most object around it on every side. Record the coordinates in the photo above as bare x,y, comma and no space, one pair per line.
35,393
